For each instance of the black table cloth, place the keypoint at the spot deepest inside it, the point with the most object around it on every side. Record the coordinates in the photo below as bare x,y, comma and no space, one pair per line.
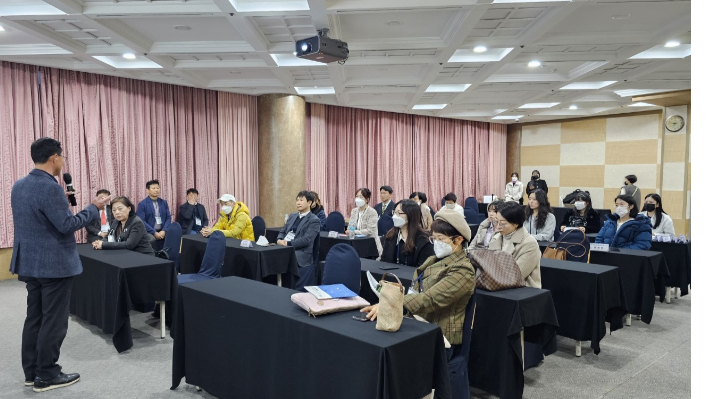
113,283
643,274
474,229
495,363
483,208
561,211
365,247
585,295
254,263
272,233
236,338
677,257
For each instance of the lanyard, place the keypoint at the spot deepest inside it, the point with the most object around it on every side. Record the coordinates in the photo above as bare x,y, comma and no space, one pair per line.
419,280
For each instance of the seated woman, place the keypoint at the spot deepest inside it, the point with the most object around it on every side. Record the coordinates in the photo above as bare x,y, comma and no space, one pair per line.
127,231
445,282
626,228
317,210
515,240
539,220
420,198
487,228
661,223
407,243
583,216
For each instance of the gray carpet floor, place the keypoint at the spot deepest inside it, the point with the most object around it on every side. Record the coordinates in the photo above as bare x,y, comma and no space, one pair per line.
641,361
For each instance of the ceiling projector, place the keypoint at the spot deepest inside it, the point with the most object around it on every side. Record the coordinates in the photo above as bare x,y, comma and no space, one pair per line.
323,49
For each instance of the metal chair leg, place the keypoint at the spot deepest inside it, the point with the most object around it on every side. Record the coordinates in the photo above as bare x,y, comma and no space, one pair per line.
578,349
162,319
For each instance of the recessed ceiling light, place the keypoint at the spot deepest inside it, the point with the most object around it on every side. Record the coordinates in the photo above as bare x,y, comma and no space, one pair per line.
2,29
620,16
534,64
508,117
479,49
538,105
641,105
447,88
572,106
129,56
314,90
588,85
672,43
181,27
394,22
429,106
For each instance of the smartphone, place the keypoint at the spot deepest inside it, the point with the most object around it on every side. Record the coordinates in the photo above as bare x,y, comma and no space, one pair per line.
361,317
388,267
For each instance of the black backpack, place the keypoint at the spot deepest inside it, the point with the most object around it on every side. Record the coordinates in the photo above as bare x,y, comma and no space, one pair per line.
569,198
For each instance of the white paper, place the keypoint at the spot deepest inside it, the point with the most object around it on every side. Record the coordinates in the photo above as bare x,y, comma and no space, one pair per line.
333,234
373,283
246,244
317,292
599,247
262,241
487,199
290,236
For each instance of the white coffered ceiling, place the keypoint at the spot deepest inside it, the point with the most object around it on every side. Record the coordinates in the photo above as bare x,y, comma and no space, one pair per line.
405,55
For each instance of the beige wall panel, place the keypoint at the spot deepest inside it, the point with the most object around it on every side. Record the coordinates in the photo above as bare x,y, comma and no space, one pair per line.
673,176
541,134
584,131
638,152
551,174
609,195
673,202
681,226
674,148
582,176
646,174
5,257
639,127
540,155
553,195
583,154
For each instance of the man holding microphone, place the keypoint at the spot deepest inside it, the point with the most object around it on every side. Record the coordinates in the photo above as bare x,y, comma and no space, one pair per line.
45,258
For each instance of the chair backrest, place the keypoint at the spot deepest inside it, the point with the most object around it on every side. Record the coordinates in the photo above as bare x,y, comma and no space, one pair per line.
384,224
468,327
342,266
432,213
443,202
471,202
471,216
259,226
214,255
577,245
335,222
316,249
173,237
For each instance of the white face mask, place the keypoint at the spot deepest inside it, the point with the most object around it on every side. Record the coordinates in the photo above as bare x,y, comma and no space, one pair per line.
442,249
451,206
622,211
398,221
359,202
579,205
227,209
514,179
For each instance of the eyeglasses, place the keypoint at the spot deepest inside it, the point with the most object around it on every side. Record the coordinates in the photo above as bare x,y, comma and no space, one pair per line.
450,240
502,223
400,213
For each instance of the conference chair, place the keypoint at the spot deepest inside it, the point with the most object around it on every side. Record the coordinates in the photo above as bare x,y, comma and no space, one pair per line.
173,238
458,365
335,222
342,266
471,202
211,266
443,202
259,226
473,217
576,243
432,213
307,275
384,224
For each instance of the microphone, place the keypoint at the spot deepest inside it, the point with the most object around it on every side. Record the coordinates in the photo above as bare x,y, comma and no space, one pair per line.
70,187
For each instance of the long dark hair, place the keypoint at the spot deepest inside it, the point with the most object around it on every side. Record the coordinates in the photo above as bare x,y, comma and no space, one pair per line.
583,196
659,216
631,201
543,208
414,224
127,203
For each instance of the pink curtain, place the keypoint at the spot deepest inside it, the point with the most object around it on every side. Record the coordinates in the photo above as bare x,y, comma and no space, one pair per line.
238,149
21,125
351,148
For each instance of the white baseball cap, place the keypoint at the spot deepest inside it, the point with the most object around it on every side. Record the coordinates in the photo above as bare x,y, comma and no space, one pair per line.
227,197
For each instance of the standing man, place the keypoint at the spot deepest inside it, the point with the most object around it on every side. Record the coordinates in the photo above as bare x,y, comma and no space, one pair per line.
98,229
301,230
45,257
155,213
386,207
192,216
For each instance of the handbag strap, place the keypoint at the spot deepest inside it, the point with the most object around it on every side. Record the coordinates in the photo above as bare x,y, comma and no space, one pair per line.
401,287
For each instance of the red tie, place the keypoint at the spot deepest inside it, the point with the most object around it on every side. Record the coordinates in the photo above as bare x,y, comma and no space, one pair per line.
103,218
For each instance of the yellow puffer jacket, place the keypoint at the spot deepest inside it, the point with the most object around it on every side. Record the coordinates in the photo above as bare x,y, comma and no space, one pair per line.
238,225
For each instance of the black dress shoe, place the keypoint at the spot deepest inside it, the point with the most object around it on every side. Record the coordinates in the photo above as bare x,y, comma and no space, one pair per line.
29,383
60,381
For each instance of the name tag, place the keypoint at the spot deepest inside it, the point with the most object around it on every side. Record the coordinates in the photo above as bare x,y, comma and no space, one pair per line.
104,228
599,247
410,291
290,236
246,244
333,234
111,239
158,220
198,221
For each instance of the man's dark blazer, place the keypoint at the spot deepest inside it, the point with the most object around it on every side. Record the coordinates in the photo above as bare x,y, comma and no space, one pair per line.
388,211
187,213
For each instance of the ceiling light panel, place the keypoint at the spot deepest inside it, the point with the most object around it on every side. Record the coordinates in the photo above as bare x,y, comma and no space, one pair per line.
508,117
447,88
663,52
491,55
270,6
588,85
539,105
119,62
429,106
290,60
309,91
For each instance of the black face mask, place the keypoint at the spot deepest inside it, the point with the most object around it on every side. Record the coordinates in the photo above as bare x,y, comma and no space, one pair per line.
649,207
535,177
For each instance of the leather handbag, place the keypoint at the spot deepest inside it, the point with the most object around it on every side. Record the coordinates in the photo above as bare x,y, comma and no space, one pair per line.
555,251
495,270
316,307
391,309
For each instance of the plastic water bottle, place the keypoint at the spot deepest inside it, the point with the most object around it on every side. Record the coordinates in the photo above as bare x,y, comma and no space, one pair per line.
351,232
285,219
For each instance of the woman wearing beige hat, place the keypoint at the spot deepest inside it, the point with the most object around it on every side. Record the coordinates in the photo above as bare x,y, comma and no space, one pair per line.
515,240
443,284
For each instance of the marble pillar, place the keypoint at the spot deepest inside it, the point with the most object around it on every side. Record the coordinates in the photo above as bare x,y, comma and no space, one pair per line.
282,155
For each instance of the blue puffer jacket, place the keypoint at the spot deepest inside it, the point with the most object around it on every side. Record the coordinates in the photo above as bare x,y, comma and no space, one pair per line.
634,234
